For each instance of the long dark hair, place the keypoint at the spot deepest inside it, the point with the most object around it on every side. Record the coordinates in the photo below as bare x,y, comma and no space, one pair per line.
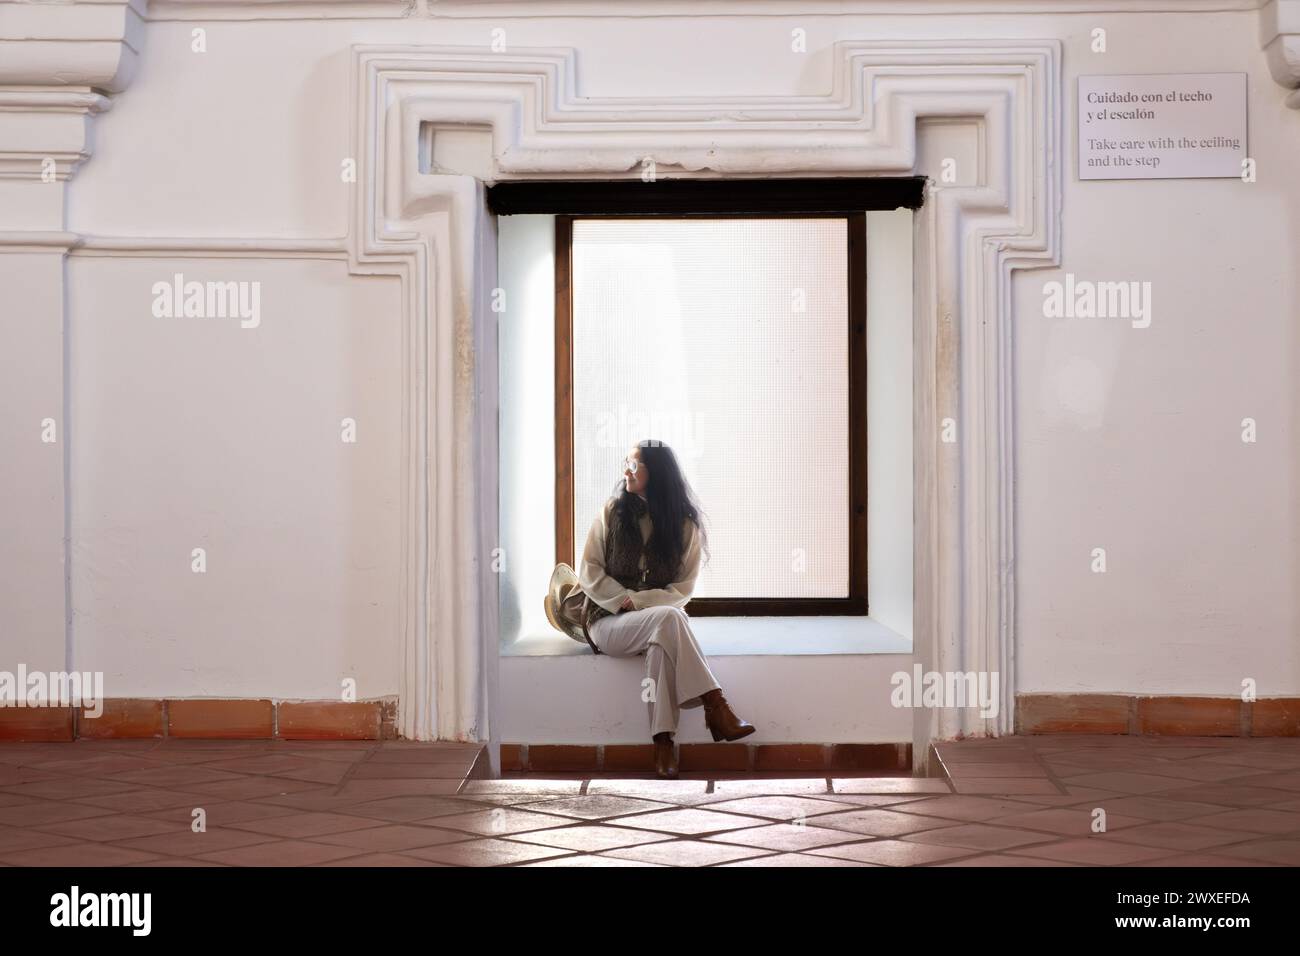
670,501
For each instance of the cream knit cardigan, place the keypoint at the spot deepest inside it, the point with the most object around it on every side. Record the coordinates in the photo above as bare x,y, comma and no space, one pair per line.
609,594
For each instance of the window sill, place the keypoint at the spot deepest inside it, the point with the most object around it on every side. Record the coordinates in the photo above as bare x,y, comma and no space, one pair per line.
751,636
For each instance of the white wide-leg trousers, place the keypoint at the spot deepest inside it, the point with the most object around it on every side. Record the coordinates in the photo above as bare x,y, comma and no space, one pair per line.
674,662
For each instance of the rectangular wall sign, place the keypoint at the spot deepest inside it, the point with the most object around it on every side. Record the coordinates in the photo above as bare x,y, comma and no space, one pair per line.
1162,126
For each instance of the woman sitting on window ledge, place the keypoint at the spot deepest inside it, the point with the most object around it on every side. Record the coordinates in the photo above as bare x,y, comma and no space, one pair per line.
639,580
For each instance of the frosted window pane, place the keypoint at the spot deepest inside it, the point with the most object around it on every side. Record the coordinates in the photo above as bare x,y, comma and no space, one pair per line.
726,339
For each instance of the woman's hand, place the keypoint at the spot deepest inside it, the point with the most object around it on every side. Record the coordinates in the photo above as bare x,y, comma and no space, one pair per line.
627,604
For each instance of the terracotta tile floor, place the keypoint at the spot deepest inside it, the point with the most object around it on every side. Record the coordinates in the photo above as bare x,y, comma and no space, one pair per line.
1023,801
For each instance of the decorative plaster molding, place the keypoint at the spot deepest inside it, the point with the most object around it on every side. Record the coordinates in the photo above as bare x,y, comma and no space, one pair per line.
56,62
89,44
804,8
38,241
606,9
432,229
210,248
173,247
1279,35
162,10
62,137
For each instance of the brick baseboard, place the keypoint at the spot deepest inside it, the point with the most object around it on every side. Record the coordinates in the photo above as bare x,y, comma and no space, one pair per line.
734,758
1157,716
264,719
239,719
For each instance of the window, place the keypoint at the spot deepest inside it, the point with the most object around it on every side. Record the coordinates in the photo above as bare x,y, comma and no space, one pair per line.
739,340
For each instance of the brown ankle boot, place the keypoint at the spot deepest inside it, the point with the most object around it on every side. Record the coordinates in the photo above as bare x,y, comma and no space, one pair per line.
665,757
722,723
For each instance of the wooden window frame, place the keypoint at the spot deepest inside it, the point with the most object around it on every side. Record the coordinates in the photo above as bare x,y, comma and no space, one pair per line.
855,602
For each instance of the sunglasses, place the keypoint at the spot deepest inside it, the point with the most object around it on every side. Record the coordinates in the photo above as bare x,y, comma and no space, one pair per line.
631,464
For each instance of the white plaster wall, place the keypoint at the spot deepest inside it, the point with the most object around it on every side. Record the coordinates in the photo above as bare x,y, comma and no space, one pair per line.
526,336
197,433
1130,440
1126,439
889,419
32,600
797,699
